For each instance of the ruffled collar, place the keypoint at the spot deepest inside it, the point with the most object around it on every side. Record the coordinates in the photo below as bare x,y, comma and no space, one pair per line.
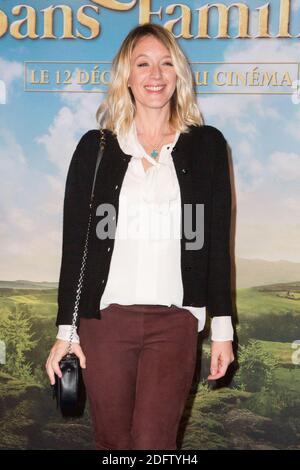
160,182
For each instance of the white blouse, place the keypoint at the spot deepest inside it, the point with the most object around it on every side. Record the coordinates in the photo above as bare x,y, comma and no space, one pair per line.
145,265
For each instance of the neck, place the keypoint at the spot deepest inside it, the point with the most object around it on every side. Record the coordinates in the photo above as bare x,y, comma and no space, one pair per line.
152,125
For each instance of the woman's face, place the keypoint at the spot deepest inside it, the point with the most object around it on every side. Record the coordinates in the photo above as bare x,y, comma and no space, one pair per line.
151,66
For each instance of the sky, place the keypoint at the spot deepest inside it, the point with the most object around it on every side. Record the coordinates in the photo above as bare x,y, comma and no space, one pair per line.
39,132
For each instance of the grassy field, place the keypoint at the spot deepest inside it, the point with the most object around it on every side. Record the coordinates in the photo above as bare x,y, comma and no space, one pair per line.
282,351
255,302
40,304
215,418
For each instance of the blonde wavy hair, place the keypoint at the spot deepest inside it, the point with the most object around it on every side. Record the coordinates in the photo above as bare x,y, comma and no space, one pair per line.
117,110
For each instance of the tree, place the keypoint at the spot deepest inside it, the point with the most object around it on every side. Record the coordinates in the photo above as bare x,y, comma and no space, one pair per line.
16,334
256,367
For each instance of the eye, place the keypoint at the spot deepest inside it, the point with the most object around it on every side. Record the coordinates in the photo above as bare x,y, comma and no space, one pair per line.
144,63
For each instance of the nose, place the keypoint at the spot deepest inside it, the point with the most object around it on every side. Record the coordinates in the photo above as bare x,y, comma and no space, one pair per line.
155,71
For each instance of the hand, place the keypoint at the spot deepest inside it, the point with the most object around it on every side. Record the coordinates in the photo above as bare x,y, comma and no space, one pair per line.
221,356
58,351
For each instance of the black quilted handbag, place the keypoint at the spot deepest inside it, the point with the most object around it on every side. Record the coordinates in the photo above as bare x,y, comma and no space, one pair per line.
69,390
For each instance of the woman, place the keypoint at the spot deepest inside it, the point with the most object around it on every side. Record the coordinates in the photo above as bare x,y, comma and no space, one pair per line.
149,290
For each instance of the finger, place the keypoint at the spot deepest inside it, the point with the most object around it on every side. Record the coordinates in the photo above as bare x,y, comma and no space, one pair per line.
223,368
220,373
49,369
214,364
51,374
48,360
82,358
55,367
215,376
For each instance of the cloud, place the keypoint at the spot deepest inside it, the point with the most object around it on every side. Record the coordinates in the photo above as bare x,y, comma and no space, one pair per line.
75,117
239,109
31,206
249,170
246,115
295,5
263,50
285,166
29,230
233,109
267,213
293,124
270,241
292,204
267,225
267,207
10,71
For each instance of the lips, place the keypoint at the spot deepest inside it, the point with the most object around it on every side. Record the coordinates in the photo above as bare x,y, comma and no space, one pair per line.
154,88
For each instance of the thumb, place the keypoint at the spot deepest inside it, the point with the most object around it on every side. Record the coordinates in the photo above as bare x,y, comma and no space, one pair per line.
214,365
81,358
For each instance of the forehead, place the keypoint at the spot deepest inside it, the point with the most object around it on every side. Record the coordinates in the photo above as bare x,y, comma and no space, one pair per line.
149,46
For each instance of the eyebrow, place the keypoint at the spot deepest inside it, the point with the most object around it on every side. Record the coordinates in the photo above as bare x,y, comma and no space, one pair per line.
145,55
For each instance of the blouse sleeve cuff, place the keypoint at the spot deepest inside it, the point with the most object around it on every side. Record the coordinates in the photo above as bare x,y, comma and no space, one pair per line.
221,328
64,332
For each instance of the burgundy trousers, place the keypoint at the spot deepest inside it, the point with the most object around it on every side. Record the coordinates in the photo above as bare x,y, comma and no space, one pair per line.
140,366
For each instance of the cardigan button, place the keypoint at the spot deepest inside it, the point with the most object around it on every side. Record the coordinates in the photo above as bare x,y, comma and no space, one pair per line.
184,170
103,281
108,249
116,187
